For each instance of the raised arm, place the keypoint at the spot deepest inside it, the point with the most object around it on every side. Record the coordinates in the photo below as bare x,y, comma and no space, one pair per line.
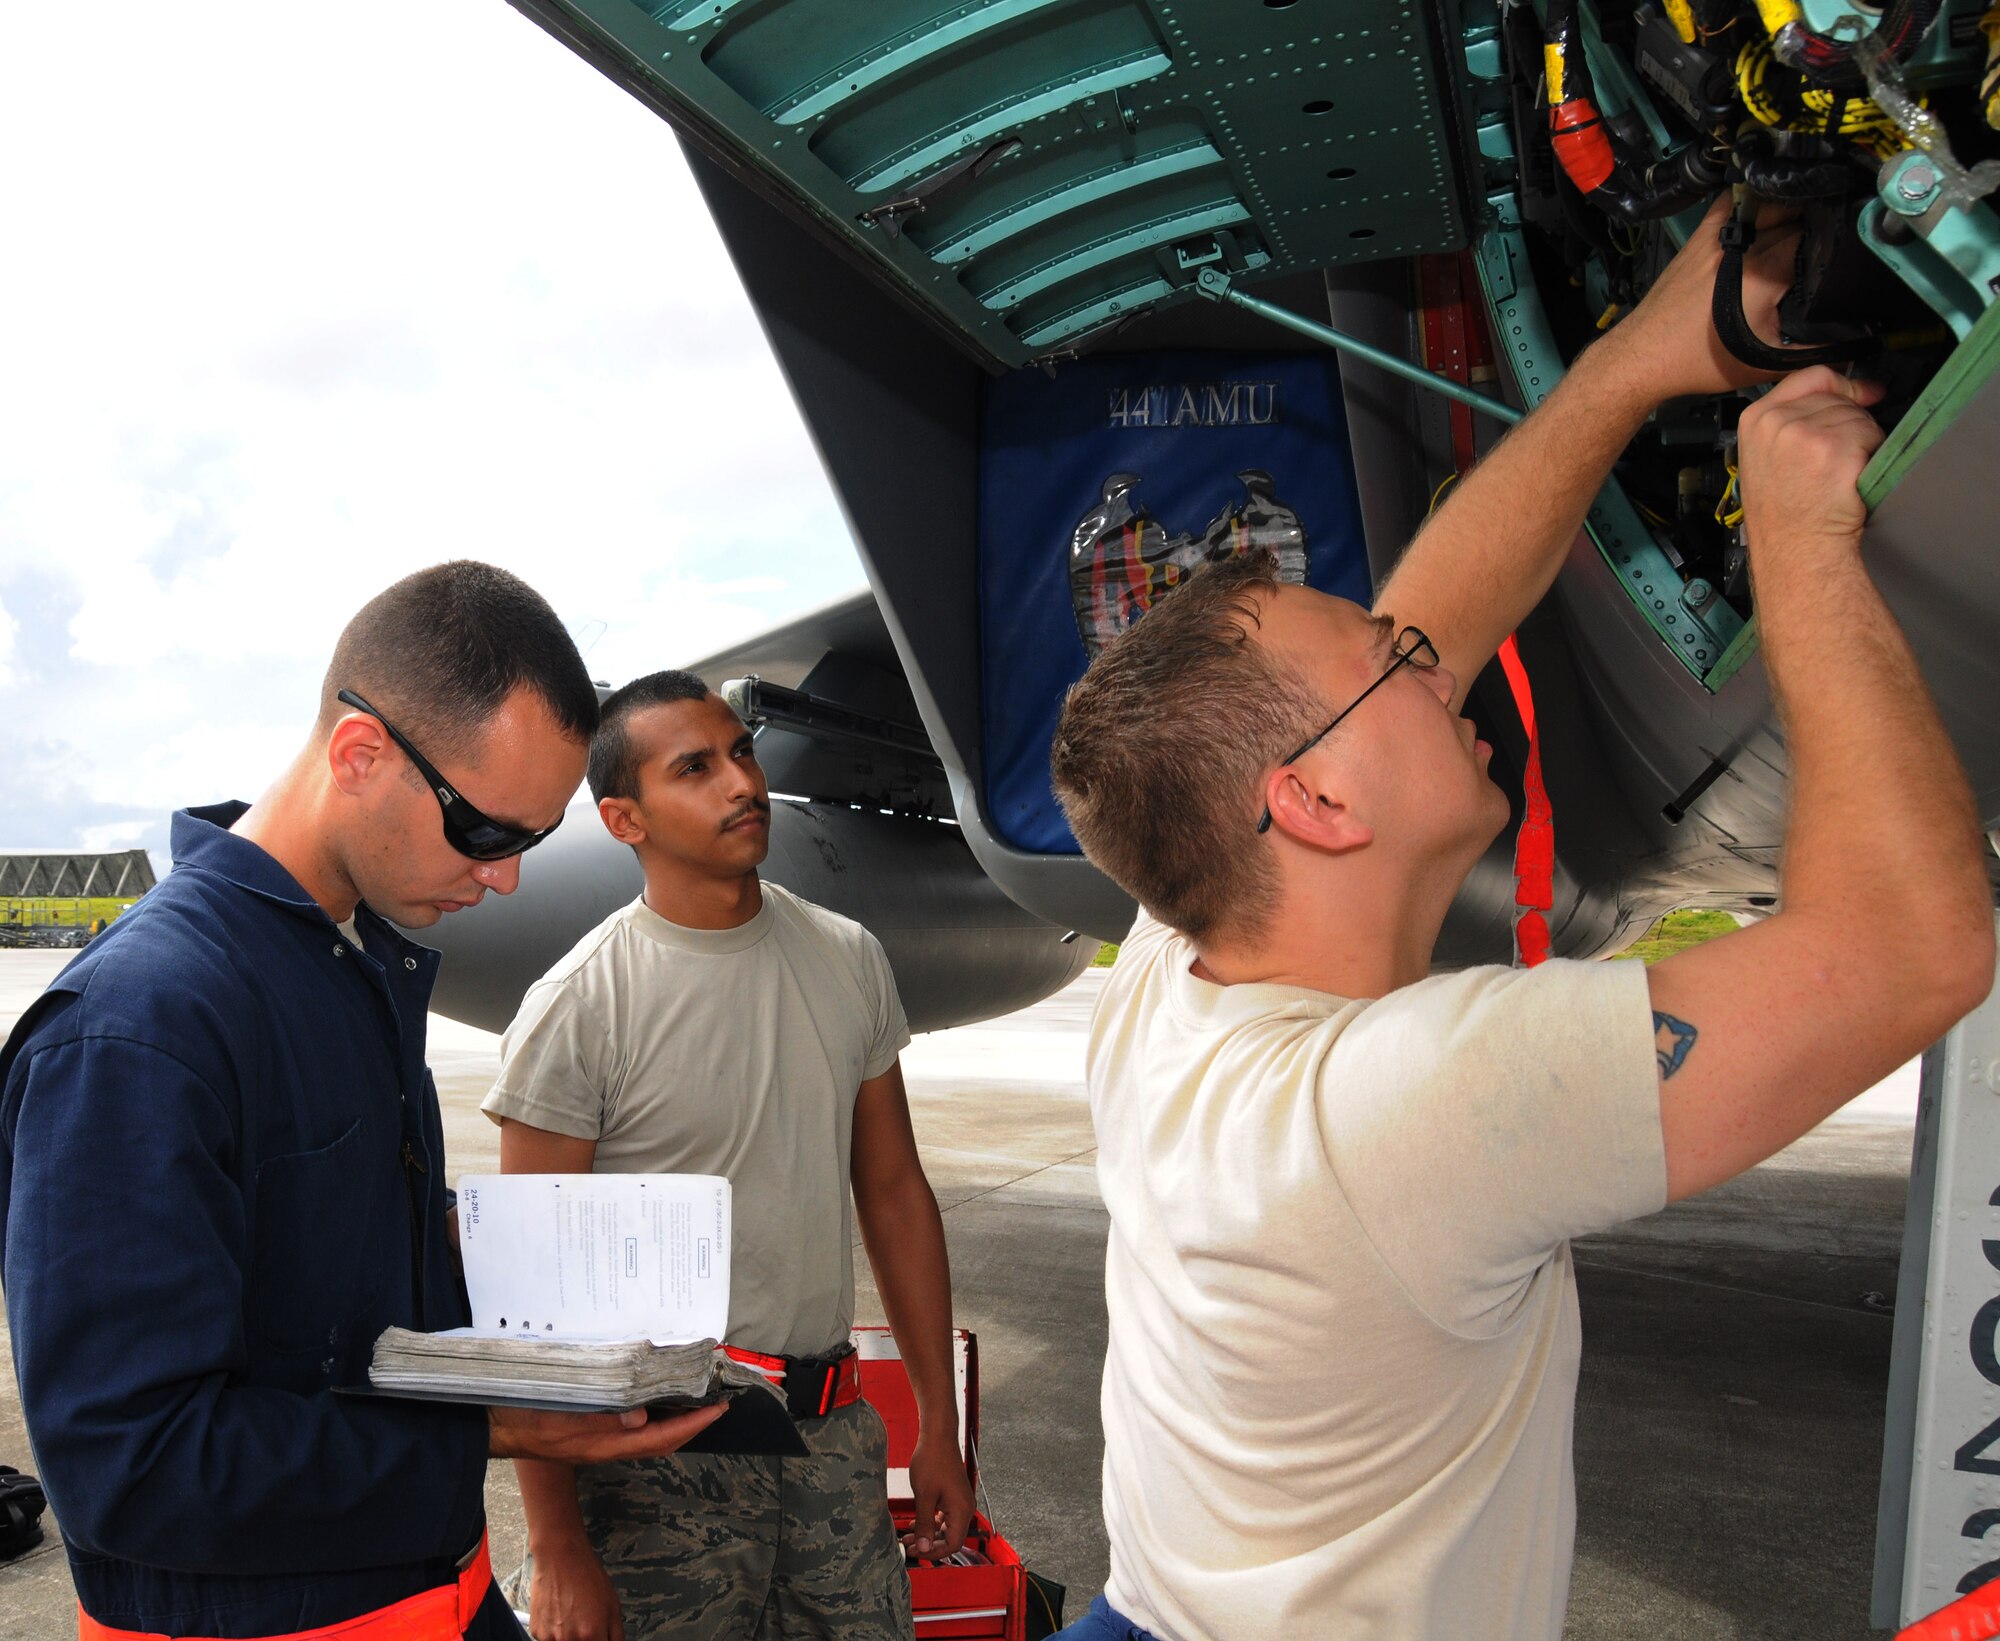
1490,552
1885,936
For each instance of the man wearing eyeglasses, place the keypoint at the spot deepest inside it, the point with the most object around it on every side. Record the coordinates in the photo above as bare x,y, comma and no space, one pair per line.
222,1166
1344,1335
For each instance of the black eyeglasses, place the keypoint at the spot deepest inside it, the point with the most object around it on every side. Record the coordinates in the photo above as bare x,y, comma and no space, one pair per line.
1411,649
472,834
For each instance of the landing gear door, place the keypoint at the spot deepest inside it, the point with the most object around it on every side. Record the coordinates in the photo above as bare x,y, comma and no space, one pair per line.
1938,1529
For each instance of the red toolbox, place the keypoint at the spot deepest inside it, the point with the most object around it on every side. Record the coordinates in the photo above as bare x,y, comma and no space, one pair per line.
987,1602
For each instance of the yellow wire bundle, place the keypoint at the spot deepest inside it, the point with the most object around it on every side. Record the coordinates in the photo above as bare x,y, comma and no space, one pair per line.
1860,120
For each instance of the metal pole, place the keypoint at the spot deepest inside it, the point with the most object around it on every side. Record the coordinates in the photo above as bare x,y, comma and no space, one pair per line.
1217,285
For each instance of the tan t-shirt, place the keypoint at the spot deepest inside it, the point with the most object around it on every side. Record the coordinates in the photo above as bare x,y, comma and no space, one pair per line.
1344,1335
728,1051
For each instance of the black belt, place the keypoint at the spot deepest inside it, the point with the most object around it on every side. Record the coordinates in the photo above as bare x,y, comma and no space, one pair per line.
814,1384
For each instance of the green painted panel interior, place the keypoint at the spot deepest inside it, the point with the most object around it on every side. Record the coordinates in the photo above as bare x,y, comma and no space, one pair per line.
1699,627
1153,138
1707,635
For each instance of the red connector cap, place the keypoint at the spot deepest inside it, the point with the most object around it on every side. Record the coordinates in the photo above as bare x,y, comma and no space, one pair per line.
1582,145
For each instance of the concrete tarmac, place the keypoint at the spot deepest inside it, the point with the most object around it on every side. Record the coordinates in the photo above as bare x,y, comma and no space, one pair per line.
1729,1416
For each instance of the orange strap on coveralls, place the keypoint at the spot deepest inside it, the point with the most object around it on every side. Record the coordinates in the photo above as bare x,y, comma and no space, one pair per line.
441,1614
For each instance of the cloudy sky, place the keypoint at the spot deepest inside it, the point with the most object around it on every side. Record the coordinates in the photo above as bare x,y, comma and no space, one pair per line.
298,299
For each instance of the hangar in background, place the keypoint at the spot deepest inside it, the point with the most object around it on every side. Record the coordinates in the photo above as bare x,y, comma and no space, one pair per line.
61,897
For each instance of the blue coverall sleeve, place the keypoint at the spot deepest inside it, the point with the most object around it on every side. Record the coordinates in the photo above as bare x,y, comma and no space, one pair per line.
127,1258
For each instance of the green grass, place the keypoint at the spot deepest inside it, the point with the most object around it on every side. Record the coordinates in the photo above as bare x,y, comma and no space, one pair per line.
1107,954
1676,932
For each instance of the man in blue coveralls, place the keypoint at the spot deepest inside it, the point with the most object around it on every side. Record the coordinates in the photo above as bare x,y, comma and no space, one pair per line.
222,1166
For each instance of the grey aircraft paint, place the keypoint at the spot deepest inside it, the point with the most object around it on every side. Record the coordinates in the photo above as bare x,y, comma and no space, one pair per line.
960,949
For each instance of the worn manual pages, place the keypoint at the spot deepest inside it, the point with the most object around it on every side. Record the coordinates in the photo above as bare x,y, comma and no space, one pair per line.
588,1291
472,1365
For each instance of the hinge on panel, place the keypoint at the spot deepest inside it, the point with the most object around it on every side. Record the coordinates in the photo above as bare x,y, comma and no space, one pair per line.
889,216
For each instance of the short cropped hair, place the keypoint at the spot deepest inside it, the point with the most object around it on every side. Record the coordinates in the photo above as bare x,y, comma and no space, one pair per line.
614,761
441,650
1162,745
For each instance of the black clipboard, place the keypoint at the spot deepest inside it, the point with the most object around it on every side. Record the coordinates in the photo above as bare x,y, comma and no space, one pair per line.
757,1421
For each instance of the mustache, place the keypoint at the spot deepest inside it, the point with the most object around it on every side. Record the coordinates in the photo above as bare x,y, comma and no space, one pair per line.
755,806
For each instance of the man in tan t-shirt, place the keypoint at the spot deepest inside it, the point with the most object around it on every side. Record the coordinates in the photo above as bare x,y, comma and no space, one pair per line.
722,1025
1344,1335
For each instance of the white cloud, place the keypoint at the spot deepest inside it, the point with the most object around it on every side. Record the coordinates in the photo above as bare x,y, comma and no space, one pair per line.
298,301
112,835
9,631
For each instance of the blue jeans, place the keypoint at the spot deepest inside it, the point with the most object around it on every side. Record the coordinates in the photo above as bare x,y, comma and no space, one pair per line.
1103,1622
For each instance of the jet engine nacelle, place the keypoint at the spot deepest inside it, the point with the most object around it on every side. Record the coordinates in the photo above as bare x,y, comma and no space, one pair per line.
961,950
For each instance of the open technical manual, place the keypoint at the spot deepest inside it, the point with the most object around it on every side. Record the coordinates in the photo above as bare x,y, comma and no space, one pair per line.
589,1292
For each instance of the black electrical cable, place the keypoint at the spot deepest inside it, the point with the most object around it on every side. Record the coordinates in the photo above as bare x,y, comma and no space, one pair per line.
1821,173
1669,186
1739,233
1786,179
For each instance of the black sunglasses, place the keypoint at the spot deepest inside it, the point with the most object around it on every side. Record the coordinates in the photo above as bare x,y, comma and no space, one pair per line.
472,834
1411,649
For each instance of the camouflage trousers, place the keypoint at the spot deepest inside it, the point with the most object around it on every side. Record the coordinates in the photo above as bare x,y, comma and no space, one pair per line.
743,1547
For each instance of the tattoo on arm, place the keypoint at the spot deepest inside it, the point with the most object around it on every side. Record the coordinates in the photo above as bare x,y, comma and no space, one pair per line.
1672,1038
